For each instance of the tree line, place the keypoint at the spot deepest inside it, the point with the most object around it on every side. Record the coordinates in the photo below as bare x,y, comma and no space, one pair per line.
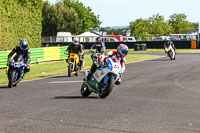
67,15
157,25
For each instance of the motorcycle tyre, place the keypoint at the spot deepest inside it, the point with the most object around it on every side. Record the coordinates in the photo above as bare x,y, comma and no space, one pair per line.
108,89
85,92
11,79
70,70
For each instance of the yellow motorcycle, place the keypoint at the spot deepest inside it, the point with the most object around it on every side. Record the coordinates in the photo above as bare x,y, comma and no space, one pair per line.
74,64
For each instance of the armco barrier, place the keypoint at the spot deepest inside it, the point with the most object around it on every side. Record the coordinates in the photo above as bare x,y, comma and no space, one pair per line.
38,55
3,58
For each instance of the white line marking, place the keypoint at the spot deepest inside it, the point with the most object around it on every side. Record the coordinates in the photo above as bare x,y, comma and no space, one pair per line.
63,82
65,74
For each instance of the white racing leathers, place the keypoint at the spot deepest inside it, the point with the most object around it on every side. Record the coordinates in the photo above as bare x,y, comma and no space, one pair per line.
120,60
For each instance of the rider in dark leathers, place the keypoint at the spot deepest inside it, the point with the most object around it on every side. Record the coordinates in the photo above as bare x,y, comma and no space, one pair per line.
77,48
100,48
21,50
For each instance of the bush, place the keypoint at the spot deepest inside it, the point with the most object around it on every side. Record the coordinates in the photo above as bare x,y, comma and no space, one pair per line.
20,19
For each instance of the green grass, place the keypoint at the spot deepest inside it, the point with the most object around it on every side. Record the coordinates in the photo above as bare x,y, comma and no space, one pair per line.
60,67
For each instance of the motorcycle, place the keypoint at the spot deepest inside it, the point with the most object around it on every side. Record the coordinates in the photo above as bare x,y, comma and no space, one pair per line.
170,52
16,71
103,79
73,67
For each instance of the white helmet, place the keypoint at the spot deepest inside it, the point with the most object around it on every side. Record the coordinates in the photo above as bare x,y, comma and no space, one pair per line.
76,40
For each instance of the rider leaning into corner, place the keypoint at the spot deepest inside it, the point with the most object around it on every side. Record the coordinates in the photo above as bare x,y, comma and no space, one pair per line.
116,56
21,50
77,48
167,43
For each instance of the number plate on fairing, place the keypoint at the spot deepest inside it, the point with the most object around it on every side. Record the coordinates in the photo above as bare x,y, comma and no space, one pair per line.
99,74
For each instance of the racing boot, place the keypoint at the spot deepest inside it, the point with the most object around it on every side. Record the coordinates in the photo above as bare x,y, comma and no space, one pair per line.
118,81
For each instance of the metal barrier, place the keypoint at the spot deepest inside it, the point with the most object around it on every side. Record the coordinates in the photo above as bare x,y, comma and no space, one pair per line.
38,55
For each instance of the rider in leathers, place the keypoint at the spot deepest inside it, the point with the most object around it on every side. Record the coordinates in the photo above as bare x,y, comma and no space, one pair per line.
21,50
100,48
119,56
116,56
167,43
77,48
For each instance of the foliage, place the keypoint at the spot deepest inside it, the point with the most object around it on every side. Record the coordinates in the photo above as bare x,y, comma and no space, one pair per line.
140,28
156,25
110,30
20,19
159,25
180,24
69,16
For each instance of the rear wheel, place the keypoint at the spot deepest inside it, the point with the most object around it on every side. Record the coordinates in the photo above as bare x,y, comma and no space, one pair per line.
107,90
70,70
85,92
11,79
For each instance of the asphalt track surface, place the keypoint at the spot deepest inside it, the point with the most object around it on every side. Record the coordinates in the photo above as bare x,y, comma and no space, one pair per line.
156,96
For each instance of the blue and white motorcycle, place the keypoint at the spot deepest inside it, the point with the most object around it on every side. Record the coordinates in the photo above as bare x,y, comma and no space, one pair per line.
16,70
103,79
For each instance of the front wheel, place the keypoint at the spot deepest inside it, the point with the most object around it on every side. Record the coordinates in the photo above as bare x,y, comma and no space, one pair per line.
70,70
107,90
85,92
11,79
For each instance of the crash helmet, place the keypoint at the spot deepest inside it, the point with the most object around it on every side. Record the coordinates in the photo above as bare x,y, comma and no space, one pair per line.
76,40
98,39
122,50
23,44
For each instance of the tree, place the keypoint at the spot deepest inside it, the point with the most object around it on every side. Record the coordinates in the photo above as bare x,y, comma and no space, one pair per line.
49,23
159,26
68,15
180,24
140,28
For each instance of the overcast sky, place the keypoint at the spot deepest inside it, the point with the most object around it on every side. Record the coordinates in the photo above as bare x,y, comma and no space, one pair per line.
122,12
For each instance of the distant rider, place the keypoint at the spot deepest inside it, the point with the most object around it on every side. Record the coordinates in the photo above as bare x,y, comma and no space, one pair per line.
167,43
21,50
77,48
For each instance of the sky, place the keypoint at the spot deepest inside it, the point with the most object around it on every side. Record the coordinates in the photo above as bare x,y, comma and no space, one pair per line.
122,12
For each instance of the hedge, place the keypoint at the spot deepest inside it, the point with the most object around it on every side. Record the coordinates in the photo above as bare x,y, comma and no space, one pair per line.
20,19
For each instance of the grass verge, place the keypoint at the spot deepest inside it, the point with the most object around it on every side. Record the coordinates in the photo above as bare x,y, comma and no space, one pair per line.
60,67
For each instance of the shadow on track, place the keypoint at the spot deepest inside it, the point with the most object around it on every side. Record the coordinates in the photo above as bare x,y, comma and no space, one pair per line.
165,59
75,97
61,76
4,87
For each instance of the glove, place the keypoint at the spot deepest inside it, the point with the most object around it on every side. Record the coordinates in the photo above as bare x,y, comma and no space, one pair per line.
9,61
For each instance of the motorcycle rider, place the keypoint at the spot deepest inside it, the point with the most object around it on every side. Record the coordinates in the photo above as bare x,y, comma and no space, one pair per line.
167,43
100,48
119,55
21,50
77,48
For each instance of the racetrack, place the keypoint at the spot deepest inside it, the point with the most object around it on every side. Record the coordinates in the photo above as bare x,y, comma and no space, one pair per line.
156,96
